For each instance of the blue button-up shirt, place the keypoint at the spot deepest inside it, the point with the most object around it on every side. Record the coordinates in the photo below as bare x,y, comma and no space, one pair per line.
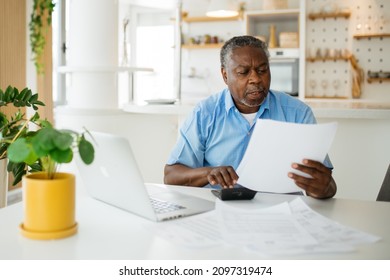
216,134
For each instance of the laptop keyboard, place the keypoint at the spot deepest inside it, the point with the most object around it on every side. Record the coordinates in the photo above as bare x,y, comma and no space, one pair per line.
161,206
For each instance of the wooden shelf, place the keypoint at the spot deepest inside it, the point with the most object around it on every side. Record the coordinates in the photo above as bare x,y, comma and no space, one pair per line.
377,35
208,19
202,46
326,97
315,16
313,59
275,14
377,80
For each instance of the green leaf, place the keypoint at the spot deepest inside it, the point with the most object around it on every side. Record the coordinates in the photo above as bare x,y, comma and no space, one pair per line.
21,151
27,95
43,141
62,156
3,120
86,151
34,97
7,95
35,117
19,95
18,177
12,92
45,123
63,141
35,167
39,103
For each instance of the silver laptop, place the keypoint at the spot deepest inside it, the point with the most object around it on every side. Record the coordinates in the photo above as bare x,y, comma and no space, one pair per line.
114,178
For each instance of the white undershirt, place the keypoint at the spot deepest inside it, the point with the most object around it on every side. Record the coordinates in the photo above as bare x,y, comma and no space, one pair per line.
249,117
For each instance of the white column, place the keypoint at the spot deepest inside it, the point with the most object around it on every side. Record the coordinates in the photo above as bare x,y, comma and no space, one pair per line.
93,54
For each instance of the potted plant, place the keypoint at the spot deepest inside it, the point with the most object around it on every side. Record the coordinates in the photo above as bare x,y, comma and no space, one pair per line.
48,195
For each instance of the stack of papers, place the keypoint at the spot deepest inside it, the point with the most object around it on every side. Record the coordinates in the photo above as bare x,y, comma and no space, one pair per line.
284,229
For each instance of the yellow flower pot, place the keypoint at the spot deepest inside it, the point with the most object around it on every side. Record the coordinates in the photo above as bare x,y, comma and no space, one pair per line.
49,206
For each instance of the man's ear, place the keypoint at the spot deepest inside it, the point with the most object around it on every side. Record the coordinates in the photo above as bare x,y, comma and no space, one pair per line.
224,74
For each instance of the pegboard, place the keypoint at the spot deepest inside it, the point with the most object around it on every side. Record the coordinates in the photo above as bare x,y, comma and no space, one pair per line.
372,16
327,78
337,34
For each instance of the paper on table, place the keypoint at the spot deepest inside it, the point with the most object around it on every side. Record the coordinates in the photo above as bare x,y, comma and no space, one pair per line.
282,229
327,231
274,146
198,231
266,228
331,236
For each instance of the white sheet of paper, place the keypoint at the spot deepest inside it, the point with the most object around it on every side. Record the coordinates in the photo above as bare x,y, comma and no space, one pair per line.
198,231
331,236
266,228
274,146
327,231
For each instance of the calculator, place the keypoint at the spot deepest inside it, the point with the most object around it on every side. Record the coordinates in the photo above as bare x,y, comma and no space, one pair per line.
240,193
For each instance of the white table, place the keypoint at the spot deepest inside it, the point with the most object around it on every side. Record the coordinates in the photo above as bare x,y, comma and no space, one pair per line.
106,232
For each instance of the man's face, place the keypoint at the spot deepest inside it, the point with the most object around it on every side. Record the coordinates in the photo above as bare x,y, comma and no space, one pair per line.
248,78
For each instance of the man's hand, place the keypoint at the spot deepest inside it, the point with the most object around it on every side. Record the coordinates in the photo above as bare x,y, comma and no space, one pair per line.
321,185
225,176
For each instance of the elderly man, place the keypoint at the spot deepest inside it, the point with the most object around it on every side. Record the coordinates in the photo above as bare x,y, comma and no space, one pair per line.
214,138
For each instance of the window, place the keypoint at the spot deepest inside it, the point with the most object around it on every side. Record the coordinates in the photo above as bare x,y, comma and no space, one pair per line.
58,46
154,47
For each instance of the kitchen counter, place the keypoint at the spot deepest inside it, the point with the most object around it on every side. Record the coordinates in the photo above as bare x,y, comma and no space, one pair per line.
350,109
159,109
322,108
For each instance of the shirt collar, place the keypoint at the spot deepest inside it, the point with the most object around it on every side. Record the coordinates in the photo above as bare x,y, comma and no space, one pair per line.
229,103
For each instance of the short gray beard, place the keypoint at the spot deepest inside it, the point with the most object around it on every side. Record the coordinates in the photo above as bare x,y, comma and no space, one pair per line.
243,101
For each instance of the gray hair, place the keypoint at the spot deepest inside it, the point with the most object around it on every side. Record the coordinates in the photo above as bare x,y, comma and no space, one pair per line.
239,42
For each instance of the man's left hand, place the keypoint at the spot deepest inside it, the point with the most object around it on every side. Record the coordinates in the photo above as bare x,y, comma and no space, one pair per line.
321,183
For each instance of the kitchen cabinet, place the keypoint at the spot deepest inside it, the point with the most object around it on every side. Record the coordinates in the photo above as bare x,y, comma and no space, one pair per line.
258,23
280,28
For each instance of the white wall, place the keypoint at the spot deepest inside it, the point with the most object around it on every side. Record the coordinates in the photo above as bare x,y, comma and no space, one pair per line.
360,154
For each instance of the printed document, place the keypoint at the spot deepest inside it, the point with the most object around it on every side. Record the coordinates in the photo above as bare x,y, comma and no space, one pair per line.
274,146
288,228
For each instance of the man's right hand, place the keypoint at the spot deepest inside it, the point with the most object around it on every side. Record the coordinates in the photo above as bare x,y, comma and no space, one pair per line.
178,174
225,176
